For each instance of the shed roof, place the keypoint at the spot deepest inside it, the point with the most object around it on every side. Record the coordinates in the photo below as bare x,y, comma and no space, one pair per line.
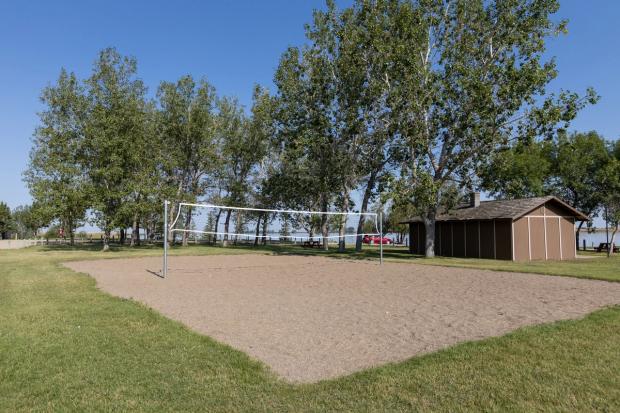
502,209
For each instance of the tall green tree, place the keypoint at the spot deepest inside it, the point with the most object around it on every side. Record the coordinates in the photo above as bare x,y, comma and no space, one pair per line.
242,147
366,58
146,186
187,128
520,171
264,191
55,174
568,166
6,221
611,190
578,159
112,136
616,149
26,221
319,119
471,77
609,176
305,106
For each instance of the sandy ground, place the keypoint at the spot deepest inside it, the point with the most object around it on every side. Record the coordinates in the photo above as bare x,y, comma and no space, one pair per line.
311,318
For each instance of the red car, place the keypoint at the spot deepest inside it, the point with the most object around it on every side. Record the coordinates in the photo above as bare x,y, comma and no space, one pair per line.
375,239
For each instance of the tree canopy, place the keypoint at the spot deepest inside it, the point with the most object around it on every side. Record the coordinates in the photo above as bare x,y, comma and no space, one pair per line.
403,103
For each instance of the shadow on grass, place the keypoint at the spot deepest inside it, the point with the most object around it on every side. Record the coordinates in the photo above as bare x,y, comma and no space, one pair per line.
368,254
97,247
281,249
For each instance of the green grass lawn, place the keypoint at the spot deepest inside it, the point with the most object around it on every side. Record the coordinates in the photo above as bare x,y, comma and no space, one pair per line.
64,345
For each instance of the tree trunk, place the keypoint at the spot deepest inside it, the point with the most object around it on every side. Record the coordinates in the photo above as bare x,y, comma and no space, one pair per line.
71,236
257,231
238,225
365,200
341,234
226,224
106,240
343,222
577,233
134,231
122,236
324,224
186,227
217,223
610,246
265,222
429,225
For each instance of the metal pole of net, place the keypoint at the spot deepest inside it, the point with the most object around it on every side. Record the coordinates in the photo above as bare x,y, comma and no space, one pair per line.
381,238
164,271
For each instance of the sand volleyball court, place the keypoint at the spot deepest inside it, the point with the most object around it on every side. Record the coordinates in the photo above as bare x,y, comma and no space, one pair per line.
312,318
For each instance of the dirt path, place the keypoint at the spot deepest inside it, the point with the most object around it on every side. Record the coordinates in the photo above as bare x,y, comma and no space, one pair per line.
311,318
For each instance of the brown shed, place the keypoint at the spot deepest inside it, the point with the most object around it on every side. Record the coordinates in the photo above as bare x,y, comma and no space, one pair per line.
519,229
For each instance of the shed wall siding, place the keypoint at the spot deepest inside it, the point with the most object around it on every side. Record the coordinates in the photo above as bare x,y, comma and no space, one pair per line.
503,239
446,239
458,232
568,238
537,238
555,210
540,211
417,238
471,239
553,238
487,240
522,248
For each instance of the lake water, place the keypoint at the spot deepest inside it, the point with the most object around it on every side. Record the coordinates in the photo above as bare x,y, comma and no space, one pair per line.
593,239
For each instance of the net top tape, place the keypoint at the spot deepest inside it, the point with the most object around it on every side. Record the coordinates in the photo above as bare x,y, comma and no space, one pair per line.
284,211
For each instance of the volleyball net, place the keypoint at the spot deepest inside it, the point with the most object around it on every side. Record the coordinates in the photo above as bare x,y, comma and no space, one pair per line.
230,225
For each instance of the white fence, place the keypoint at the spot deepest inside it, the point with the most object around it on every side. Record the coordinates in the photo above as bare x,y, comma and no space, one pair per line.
13,244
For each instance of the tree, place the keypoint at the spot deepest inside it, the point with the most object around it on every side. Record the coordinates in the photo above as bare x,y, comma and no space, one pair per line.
568,167
242,147
264,191
577,163
616,149
470,79
285,228
188,134
609,177
6,221
113,134
520,171
367,56
394,218
55,174
144,186
27,221
318,120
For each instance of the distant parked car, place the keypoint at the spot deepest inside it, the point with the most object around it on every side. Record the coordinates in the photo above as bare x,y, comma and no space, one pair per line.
375,239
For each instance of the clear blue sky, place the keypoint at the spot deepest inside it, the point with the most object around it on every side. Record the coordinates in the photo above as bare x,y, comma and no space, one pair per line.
234,44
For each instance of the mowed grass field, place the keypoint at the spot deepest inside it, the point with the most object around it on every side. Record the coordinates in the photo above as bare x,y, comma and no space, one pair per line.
66,346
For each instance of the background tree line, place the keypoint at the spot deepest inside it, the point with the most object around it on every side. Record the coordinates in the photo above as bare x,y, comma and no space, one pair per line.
401,105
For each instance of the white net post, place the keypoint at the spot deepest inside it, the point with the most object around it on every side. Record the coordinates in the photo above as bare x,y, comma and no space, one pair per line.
380,238
165,269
